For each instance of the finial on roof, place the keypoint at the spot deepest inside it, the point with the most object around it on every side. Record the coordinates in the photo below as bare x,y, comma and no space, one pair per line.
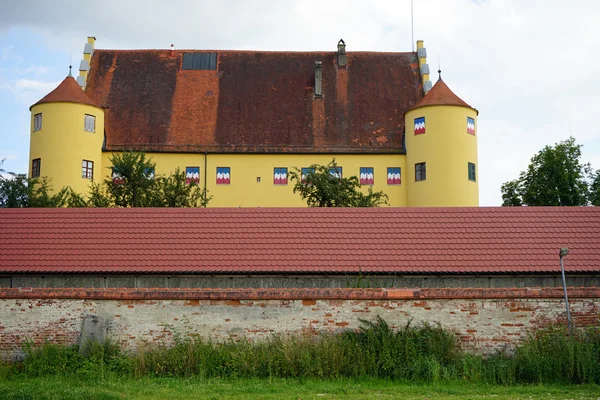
439,74
70,67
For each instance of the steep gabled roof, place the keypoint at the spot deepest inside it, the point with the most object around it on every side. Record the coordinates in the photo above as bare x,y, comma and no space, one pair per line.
300,240
255,101
68,92
441,95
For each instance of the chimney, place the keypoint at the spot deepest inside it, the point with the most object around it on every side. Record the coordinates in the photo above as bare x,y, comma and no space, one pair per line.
341,53
172,47
318,79
84,66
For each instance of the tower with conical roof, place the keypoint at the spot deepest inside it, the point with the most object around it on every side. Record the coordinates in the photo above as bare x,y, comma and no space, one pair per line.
441,151
67,132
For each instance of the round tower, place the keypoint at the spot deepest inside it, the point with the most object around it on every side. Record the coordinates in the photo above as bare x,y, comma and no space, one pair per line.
67,133
441,151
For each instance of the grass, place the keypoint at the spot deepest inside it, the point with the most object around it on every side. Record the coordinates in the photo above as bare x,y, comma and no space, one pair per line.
241,388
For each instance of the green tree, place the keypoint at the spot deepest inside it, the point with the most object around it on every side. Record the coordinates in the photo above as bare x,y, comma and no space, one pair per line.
133,184
555,177
594,195
322,187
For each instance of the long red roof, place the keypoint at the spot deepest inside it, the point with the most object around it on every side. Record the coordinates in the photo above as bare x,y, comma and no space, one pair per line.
300,240
255,101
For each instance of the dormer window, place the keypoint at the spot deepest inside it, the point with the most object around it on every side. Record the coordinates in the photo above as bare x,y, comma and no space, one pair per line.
89,123
37,122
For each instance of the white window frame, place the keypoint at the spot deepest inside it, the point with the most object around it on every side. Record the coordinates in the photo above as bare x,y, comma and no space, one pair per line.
89,123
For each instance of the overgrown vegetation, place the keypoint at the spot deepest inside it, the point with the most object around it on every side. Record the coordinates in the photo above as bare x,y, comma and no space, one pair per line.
423,353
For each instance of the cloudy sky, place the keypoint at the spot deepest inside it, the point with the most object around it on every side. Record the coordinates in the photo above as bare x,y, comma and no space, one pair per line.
528,66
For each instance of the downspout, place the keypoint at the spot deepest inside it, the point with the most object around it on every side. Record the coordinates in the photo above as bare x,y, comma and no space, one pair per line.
205,166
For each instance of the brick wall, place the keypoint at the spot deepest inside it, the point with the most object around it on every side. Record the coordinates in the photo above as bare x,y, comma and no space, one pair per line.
484,320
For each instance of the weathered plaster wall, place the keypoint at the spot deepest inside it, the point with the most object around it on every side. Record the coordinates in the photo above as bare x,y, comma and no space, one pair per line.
484,320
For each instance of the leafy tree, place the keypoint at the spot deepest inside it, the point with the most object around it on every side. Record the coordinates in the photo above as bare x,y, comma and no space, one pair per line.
594,196
555,177
321,187
133,184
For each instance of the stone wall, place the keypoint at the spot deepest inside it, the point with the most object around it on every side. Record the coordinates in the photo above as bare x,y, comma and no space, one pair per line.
484,320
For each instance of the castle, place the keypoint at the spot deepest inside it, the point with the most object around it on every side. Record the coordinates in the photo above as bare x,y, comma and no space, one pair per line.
237,122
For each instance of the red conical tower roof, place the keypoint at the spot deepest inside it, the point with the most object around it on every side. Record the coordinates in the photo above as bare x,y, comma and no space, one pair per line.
441,95
68,91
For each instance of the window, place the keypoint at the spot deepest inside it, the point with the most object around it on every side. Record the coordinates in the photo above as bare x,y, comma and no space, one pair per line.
470,126
280,176
305,172
336,171
393,176
420,171
192,175
223,175
472,172
149,172
366,176
419,125
89,123
87,169
36,166
199,61
117,178
37,122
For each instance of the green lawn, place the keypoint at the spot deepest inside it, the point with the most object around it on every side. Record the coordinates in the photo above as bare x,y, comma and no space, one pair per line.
176,388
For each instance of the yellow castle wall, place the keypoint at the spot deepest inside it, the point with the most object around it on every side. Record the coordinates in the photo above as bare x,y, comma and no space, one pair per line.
245,191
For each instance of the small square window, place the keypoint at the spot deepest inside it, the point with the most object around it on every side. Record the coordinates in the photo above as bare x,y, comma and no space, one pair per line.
117,178
336,171
420,171
280,176
36,167
470,126
223,176
419,125
472,176
192,175
305,172
393,176
37,122
87,169
366,176
89,123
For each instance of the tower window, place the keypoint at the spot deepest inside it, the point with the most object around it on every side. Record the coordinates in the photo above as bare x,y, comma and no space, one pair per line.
280,176
87,169
192,175
420,171
367,176
36,166
305,172
223,175
37,122
393,176
472,172
89,123
470,126
419,125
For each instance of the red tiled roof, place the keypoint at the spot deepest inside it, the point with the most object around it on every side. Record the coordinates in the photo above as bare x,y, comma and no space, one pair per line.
69,92
255,101
440,95
300,240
